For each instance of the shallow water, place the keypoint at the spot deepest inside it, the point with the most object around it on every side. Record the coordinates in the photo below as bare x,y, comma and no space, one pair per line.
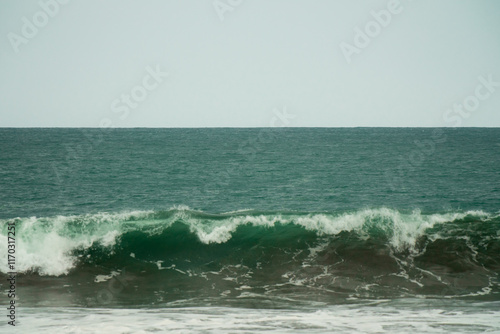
398,316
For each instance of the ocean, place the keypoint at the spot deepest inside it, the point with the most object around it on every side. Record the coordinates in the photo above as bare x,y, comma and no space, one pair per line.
224,230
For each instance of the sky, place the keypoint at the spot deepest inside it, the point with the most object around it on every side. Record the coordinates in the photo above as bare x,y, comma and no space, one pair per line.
249,63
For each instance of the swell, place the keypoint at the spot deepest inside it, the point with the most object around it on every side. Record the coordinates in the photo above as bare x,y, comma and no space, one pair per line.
154,257
56,246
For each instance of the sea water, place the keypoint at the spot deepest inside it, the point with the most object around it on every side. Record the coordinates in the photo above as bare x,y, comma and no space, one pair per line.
246,230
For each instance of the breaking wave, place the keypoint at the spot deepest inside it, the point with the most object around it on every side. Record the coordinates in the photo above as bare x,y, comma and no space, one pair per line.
373,251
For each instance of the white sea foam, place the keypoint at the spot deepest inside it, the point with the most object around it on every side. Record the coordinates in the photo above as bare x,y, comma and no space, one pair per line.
104,278
46,245
383,317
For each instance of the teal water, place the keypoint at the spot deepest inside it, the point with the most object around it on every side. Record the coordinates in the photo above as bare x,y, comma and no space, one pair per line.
49,172
277,219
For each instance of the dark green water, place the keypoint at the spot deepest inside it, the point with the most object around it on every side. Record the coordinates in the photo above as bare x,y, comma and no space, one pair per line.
264,218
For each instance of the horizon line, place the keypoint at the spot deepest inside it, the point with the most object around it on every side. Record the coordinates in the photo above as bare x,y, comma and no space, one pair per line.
251,127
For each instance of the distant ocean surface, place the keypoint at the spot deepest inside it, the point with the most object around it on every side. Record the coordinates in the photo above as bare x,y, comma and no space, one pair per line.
310,230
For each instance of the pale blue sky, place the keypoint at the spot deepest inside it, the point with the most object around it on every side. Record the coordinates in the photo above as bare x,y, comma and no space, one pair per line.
88,56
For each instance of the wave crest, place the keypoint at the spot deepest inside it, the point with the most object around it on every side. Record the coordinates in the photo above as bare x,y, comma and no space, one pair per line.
56,245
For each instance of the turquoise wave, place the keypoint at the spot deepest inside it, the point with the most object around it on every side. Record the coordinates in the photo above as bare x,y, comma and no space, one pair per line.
372,252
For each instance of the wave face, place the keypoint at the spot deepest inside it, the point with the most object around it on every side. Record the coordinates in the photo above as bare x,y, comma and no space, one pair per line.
158,257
